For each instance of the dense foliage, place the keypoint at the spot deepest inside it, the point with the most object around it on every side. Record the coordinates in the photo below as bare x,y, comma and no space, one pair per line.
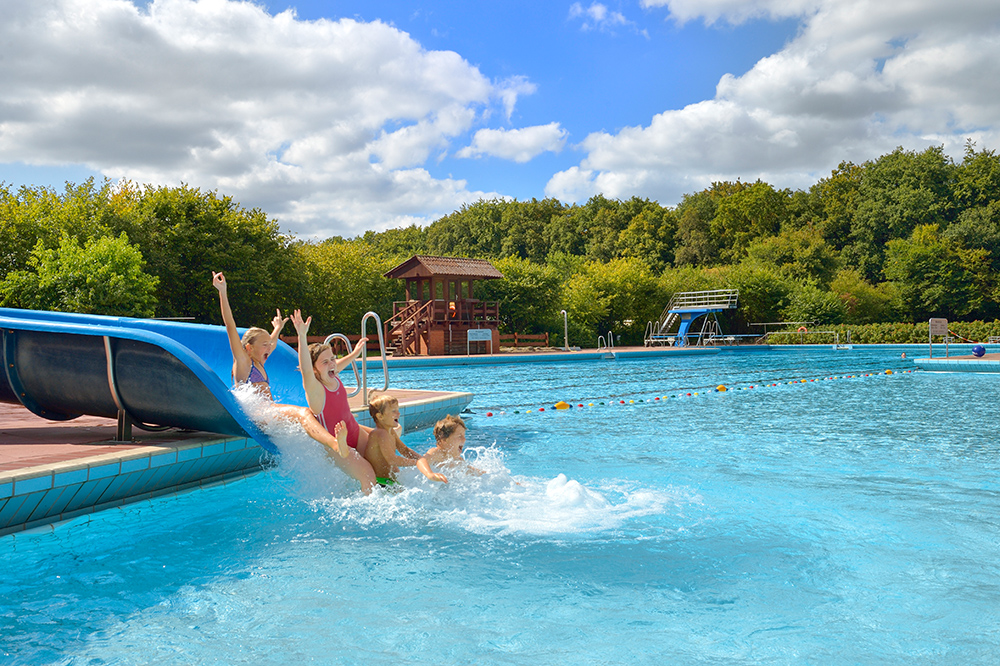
904,237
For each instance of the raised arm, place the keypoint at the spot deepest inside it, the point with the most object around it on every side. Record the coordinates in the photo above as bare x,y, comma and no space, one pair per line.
241,361
314,389
278,323
358,348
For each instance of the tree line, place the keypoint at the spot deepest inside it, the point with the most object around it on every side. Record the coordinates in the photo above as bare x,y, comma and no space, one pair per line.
900,238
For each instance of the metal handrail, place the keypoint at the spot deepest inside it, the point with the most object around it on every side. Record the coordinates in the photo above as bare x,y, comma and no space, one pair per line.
715,298
381,346
347,341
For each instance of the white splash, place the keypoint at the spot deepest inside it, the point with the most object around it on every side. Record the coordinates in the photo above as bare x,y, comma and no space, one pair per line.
495,502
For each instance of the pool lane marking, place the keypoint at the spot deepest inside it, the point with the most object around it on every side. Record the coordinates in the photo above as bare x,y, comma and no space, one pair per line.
721,388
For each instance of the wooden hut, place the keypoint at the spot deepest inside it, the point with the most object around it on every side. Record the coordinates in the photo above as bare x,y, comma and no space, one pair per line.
440,307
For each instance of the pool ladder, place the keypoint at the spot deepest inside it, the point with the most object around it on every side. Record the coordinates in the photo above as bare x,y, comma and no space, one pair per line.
362,379
606,345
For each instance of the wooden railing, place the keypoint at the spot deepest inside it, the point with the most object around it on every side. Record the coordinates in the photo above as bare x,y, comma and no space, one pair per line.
465,310
406,325
524,339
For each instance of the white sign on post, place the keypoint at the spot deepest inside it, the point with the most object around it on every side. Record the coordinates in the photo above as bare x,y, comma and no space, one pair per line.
479,335
937,327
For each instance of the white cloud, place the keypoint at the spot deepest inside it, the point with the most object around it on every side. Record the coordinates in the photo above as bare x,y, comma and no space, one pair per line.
324,124
734,11
596,16
519,145
859,79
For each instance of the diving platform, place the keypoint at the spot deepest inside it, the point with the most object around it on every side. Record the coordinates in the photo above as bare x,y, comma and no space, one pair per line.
686,308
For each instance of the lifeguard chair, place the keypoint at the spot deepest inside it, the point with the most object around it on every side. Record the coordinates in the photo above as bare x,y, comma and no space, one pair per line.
440,308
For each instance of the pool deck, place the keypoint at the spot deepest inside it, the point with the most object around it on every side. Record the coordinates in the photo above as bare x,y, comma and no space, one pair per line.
987,363
54,471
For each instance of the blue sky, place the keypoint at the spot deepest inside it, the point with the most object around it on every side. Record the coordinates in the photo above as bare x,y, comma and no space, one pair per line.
337,117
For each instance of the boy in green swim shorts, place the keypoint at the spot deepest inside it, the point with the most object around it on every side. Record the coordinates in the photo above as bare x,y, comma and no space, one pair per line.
386,451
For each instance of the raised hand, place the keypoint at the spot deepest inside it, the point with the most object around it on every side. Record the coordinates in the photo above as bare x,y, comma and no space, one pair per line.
301,327
279,322
219,281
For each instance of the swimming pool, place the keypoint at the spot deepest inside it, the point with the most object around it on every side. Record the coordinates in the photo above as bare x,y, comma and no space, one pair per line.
847,520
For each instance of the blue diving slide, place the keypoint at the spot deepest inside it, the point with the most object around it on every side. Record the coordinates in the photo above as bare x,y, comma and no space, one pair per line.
156,373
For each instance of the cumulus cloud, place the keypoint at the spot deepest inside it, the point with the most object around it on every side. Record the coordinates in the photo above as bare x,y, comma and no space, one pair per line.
859,79
325,124
519,145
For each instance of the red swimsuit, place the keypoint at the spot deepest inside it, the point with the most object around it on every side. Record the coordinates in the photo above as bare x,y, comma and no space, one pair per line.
335,410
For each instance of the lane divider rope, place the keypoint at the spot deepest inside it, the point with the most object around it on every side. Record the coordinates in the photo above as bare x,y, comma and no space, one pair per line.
721,388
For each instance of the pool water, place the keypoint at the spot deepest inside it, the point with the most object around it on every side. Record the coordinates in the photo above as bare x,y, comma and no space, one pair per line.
843,520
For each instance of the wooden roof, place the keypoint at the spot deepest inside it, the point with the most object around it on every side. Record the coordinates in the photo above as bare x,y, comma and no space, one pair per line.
424,266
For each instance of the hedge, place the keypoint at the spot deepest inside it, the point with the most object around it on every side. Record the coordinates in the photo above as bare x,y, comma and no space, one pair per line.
973,331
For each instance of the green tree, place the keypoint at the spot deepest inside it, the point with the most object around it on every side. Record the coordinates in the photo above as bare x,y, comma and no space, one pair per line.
474,230
753,212
104,276
697,240
345,280
528,295
400,244
626,295
865,303
934,279
898,192
810,303
837,197
800,253
977,178
650,237
186,234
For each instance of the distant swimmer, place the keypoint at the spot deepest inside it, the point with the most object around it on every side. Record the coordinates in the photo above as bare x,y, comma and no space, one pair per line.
450,435
903,355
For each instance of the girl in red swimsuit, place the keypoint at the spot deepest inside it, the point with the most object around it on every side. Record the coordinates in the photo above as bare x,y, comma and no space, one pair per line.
249,356
327,399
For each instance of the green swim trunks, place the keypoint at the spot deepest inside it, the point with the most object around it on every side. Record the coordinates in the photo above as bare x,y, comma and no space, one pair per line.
386,482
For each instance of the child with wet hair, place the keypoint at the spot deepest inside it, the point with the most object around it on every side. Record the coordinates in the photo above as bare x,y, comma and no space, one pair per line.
386,451
327,399
449,434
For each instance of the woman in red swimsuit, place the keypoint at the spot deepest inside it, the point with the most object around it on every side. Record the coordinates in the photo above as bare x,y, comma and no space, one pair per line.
327,399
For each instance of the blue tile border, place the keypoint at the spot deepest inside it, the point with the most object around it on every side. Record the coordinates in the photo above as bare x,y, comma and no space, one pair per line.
34,497
46,494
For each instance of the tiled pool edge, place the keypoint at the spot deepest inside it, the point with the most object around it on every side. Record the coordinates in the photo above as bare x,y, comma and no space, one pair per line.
47,494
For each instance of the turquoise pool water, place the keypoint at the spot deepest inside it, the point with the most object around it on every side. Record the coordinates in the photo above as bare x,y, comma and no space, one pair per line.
847,520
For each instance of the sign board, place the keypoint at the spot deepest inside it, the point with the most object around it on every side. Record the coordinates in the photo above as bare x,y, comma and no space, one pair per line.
479,335
937,327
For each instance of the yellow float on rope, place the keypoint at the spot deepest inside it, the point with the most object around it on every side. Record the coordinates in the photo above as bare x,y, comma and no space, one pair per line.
562,405
720,388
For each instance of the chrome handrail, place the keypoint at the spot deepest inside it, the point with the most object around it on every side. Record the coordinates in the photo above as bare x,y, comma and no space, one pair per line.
347,341
381,346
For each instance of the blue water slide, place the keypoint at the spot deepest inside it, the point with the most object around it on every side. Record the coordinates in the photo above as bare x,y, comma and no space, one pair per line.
155,373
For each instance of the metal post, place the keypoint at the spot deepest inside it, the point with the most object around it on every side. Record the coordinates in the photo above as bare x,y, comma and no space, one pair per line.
565,330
